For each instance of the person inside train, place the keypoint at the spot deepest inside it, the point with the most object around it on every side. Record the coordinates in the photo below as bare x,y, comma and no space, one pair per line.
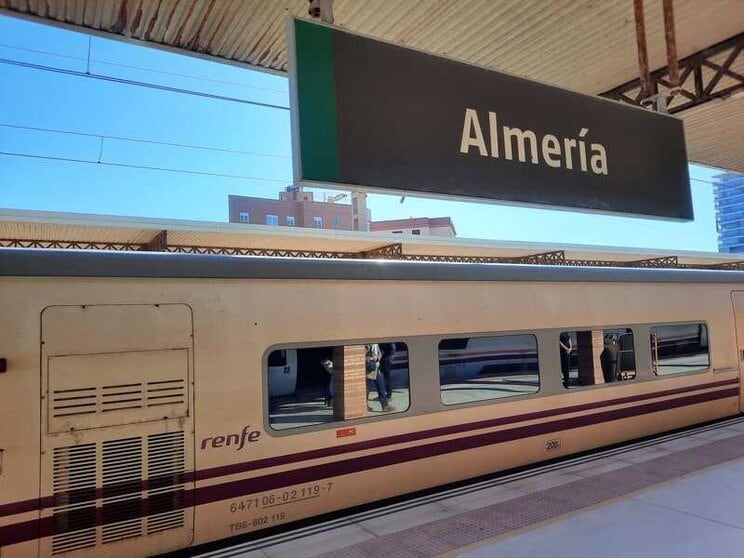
373,357
327,365
386,366
566,347
610,359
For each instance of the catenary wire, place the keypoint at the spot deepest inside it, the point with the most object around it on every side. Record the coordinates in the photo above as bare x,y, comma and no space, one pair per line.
146,167
138,140
181,145
136,83
183,171
133,67
45,52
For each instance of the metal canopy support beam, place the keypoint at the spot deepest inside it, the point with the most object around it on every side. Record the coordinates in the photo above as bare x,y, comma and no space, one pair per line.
387,252
731,266
667,261
260,252
321,9
671,43
640,27
697,85
158,243
68,244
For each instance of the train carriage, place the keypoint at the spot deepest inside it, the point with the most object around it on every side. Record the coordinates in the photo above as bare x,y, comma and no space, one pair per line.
152,402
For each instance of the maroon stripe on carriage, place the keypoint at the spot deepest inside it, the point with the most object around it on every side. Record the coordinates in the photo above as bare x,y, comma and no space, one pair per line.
441,431
49,501
29,530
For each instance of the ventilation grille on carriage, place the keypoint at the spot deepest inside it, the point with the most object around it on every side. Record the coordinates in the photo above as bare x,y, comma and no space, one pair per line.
166,461
89,400
74,484
122,489
70,402
112,389
166,392
141,493
120,397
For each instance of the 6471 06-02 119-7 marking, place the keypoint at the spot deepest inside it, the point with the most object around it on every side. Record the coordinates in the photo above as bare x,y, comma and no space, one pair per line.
275,500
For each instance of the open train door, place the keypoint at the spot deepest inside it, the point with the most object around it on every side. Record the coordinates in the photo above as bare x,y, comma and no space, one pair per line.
737,298
117,441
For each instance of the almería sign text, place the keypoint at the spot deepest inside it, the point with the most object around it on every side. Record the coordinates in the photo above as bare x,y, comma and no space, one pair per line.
569,153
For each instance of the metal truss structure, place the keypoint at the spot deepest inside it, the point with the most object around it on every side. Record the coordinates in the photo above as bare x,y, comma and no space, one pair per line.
69,245
261,252
386,252
706,75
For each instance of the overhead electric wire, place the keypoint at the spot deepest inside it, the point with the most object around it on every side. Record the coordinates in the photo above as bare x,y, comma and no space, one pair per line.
132,67
147,167
45,52
182,171
189,76
136,83
137,140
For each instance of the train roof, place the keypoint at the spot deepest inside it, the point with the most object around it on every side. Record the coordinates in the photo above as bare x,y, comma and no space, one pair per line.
56,230
19,262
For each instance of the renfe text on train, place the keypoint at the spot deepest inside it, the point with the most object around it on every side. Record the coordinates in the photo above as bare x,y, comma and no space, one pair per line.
550,150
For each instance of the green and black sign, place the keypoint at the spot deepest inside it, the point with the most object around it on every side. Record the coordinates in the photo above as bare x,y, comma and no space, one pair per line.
375,116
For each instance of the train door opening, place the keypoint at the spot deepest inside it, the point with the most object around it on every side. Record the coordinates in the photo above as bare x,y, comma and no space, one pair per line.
117,439
737,298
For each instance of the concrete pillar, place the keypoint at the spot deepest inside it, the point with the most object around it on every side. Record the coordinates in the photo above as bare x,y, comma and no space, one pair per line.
359,213
589,348
349,382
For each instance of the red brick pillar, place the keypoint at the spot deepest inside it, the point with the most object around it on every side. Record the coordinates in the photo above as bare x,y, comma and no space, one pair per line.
349,382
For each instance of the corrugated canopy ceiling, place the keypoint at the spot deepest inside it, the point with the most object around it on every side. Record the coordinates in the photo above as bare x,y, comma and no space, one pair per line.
584,45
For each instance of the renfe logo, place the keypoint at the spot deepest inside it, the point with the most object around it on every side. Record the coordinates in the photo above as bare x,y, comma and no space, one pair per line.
230,439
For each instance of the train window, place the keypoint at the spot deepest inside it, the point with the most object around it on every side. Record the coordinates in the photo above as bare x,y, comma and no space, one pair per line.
676,349
481,368
319,385
277,358
596,356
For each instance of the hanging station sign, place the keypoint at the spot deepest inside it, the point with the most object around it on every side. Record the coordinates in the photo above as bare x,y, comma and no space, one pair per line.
374,116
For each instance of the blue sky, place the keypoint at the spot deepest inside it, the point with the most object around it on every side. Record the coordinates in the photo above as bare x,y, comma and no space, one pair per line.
226,145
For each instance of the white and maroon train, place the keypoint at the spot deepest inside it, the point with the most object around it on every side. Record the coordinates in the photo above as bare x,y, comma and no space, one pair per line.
139,413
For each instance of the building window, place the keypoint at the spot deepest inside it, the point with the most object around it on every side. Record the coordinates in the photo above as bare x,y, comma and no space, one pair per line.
336,223
272,220
397,232
245,217
676,349
580,350
318,222
480,368
416,231
290,222
302,383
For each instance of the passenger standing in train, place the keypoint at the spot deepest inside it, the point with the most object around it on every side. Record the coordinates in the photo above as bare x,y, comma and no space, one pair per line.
327,365
386,366
566,346
610,359
374,376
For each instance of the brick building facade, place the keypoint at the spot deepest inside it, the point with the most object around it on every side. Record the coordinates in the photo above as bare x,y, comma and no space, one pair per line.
434,226
297,208
294,208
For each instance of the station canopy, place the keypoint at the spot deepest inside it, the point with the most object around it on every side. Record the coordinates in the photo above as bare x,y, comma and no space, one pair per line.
79,231
583,45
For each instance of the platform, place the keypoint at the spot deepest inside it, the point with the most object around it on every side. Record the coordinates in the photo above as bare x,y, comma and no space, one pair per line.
677,495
